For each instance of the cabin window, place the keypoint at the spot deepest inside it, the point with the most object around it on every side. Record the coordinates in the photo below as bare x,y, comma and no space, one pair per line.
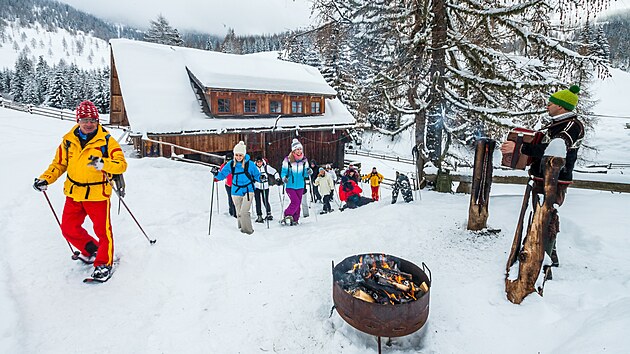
249,106
275,107
316,107
223,105
296,107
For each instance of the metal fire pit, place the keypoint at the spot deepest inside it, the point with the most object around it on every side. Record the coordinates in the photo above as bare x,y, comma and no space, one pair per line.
377,319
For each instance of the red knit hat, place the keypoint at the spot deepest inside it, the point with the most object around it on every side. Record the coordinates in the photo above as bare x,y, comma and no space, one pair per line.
87,109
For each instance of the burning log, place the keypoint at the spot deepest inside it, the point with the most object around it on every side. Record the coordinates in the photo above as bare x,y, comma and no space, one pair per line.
377,279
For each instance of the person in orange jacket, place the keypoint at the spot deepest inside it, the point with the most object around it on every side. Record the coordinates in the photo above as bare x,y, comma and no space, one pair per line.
375,179
90,157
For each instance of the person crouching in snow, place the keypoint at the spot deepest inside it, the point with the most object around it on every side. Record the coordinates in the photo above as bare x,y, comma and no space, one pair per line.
295,169
375,180
326,186
262,188
244,174
91,158
402,185
350,193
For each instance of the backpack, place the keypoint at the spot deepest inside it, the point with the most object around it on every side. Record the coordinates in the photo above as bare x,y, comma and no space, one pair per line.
245,172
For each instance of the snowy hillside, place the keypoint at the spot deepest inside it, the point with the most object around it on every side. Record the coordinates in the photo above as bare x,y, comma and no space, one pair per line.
84,50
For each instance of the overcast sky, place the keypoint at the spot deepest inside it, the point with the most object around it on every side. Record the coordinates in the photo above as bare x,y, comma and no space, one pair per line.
209,16
215,16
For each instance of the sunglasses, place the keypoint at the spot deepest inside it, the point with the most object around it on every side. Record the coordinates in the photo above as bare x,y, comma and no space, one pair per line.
88,120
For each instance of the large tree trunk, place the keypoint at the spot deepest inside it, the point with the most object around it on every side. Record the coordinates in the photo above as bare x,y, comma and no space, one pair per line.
437,105
481,184
531,256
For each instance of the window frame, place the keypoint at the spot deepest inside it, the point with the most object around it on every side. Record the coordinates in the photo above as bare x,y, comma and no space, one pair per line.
301,105
219,105
245,106
279,102
319,107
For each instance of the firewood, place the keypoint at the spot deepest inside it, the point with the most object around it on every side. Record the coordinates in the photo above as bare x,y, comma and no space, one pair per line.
360,294
424,287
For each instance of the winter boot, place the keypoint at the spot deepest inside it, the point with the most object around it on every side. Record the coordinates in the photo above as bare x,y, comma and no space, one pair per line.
102,272
85,259
323,212
260,219
269,217
554,258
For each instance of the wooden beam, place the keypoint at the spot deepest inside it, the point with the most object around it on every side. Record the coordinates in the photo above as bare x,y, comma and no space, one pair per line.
581,184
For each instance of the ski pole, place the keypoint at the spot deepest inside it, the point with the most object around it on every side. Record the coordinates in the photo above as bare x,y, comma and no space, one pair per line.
215,182
310,181
266,196
211,204
75,253
128,210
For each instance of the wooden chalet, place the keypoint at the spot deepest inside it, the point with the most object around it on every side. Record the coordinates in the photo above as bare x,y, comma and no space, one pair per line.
209,101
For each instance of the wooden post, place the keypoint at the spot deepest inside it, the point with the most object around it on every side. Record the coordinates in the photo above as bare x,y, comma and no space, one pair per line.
532,254
481,183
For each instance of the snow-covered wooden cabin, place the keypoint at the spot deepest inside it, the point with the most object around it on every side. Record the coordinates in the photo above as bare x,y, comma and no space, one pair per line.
208,101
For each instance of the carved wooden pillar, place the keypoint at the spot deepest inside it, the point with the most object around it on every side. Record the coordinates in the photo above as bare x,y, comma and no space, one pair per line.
481,183
531,255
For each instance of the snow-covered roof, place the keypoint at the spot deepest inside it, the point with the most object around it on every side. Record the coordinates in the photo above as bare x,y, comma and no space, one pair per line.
159,97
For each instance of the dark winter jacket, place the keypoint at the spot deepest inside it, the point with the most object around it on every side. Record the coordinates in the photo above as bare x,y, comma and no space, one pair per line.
566,127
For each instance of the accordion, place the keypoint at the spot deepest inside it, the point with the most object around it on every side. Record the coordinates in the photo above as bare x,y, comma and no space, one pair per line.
515,159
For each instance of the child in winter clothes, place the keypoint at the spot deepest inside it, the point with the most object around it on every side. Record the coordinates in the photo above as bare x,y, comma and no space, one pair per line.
295,169
375,179
402,184
326,186
261,193
244,174
350,193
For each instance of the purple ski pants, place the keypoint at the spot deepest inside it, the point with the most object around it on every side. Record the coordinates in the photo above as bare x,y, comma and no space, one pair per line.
294,208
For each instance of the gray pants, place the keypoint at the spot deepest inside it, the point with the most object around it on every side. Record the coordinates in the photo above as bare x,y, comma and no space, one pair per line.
243,204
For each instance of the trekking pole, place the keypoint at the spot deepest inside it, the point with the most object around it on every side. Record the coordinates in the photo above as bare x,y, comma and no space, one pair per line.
310,181
266,196
211,204
215,182
128,210
75,253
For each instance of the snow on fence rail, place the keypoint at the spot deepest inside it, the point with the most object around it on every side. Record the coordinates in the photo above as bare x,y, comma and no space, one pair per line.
378,156
62,114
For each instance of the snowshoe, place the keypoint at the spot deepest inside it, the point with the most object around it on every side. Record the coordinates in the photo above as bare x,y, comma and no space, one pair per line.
83,258
101,274
287,220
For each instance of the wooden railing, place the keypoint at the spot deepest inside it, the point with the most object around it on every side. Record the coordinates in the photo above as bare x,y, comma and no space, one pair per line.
50,112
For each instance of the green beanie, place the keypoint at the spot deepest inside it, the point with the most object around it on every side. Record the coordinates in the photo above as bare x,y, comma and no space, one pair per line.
566,98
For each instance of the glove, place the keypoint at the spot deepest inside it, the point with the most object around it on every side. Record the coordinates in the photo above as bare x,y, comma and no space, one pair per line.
279,181
40,185
309,171
214,170
96,162
285,179
263,178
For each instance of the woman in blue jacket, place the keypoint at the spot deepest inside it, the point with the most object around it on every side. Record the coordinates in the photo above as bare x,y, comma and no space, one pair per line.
294,171
244,174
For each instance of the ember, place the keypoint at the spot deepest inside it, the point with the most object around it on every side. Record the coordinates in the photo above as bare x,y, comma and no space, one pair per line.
378,279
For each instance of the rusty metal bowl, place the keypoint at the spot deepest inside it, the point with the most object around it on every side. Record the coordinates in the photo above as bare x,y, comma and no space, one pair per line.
382,320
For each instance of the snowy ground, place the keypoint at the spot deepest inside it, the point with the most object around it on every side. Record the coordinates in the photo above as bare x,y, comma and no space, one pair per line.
272,291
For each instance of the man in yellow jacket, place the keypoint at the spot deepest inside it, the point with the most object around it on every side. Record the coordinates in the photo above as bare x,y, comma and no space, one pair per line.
90,157
375,179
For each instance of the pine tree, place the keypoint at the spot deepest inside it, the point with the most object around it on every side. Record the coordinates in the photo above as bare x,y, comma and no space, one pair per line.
161,32
462,65
23,74
58,87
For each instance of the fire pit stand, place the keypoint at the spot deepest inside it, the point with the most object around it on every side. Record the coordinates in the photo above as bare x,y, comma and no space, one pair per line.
382,320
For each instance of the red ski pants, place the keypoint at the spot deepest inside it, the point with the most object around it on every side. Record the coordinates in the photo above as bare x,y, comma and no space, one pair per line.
375,192
74,214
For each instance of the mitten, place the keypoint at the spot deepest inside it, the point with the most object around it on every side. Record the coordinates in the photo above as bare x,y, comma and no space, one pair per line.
214,170
279,181
96,162
40,185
